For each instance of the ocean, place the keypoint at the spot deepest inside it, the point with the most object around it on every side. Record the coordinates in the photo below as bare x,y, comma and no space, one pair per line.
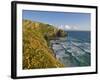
80,35
74,49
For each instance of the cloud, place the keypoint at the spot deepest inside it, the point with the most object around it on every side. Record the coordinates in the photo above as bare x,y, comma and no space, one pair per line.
60,27
67,27
74,27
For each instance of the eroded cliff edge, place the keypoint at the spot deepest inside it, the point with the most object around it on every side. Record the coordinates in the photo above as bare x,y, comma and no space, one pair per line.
36,49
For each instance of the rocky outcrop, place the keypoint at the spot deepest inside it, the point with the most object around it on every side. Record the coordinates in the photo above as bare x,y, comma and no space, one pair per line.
36,51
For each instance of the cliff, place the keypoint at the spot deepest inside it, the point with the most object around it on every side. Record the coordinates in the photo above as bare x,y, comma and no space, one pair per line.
36,51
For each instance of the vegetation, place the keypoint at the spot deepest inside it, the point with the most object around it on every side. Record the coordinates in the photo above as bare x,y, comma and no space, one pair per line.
36,51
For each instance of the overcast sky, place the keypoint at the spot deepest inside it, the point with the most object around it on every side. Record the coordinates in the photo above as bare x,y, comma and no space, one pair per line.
64,20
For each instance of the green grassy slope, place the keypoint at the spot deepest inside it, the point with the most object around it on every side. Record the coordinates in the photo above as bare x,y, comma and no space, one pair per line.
36,51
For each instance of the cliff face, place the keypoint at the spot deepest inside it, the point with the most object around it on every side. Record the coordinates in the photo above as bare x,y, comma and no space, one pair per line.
36,51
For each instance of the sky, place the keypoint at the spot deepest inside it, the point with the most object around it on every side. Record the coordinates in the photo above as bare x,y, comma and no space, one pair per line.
63,20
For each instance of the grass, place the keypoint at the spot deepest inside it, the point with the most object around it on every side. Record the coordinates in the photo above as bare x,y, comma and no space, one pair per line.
36,51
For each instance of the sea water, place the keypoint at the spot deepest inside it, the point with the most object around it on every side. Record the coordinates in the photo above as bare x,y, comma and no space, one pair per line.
74,49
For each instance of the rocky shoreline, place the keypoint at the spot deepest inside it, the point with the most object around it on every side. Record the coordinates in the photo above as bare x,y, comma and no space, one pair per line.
70,54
